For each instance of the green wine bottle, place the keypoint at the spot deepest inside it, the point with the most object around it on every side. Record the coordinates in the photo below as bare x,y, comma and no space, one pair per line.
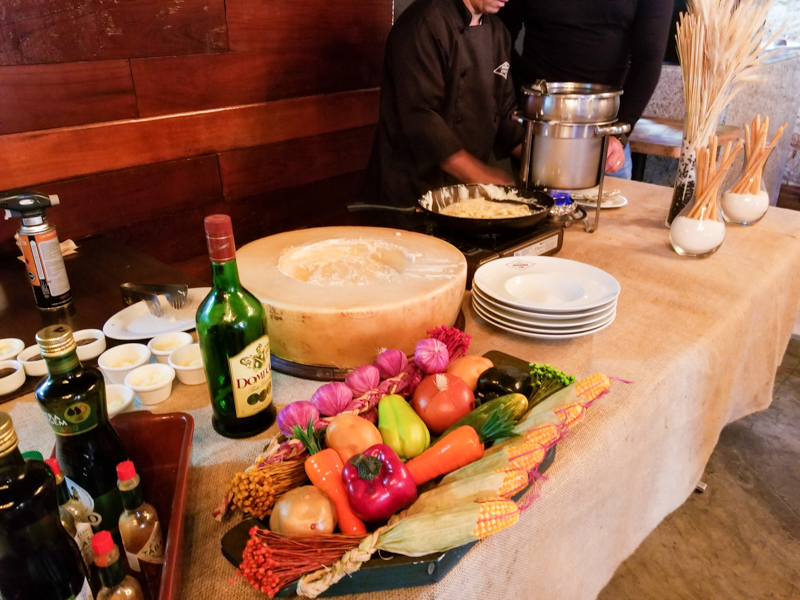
231,329
38,558
88,449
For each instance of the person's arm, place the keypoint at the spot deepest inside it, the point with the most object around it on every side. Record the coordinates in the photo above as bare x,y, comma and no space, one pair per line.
467,169
648,42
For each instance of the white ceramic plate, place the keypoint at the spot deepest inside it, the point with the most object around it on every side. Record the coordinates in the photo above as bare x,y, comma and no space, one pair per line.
546,284
136,323
529,332
615,201
499,314
548,317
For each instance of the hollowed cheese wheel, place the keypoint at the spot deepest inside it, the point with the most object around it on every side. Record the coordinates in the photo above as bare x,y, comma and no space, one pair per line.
335,296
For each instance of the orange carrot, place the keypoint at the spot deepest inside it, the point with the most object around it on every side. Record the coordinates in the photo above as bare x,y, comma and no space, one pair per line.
453,451
324,469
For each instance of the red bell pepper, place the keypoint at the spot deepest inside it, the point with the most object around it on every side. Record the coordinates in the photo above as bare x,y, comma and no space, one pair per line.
378,484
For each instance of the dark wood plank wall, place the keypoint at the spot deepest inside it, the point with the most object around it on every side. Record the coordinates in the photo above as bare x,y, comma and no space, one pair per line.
146,116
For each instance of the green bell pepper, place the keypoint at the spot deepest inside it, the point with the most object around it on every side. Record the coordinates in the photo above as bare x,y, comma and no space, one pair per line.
401,428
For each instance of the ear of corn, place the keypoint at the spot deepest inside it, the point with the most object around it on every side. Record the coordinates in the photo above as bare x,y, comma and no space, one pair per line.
536,420
591,388
584,391
498,461
453,526
571,414
480,487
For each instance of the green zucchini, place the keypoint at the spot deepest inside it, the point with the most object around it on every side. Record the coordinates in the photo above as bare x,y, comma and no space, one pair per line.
510,406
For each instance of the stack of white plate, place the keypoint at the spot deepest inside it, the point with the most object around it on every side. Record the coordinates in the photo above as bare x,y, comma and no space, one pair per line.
545,297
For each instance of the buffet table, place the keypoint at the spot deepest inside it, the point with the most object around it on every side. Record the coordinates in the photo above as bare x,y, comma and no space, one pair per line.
698,340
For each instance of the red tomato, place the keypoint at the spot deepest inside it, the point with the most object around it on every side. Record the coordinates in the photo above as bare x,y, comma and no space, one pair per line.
442,399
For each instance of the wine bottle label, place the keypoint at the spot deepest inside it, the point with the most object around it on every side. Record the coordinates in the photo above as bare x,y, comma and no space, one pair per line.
85,593
151,552
76,492
76,418
251,378
83,537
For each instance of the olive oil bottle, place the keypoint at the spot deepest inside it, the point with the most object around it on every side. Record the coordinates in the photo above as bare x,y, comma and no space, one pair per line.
73,398
231,329
38,558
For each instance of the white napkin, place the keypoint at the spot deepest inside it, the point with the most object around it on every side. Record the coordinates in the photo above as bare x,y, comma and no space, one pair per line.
591,194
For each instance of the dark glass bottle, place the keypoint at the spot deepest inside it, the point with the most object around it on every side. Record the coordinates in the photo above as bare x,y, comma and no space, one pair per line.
231,329
38,558
116,584
88,449
140,529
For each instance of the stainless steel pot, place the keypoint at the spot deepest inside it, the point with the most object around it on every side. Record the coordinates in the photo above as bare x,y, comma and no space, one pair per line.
570,102
565,155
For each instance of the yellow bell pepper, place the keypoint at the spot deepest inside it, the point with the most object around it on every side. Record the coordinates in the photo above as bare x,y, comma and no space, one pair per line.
401,428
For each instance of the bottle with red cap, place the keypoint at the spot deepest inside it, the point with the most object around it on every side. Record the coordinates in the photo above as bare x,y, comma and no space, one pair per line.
231,329
76,512
140,529
116,584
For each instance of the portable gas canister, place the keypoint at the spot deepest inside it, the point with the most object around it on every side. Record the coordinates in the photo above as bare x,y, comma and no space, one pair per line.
39,243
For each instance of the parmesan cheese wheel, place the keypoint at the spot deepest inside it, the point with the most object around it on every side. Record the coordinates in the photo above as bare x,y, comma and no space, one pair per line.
335,296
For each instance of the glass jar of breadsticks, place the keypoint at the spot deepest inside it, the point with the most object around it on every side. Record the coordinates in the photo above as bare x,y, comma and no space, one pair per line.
747,201
699,230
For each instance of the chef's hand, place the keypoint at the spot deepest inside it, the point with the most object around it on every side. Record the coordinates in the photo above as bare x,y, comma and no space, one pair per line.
616,155
467,169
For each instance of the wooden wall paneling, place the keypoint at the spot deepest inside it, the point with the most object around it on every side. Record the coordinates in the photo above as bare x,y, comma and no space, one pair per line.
48,96
252,171
102,203
188,83
51,31
75,151
328,29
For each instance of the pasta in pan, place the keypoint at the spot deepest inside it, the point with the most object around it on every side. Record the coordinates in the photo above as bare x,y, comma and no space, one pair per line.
479,208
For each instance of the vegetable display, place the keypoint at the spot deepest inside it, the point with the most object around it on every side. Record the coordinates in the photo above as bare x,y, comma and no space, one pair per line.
363,473
378,483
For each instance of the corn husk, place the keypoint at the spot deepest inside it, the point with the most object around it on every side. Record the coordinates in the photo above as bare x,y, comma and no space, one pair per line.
503,484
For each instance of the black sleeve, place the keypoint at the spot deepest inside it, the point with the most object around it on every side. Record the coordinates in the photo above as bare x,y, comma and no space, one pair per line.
513,17
419,63
648,43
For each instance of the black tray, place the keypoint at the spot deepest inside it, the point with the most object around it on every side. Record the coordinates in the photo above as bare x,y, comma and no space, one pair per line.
387,571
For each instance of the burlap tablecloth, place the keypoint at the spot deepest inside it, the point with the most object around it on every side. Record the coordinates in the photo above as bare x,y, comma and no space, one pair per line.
699,339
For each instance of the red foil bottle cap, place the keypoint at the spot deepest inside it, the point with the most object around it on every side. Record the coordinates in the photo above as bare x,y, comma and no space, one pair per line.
53,464
102,542
219,236
126,470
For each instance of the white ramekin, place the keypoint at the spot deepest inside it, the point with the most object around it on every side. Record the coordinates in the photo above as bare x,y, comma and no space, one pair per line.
165,344
92,349
188,364
117,362
11,383
119,398
152,382
32,361
10,347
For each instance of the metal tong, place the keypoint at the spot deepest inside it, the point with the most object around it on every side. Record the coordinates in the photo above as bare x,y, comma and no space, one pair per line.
174,293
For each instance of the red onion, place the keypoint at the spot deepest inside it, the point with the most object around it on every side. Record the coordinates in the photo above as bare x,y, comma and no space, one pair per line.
431,356
390,363
333,398
457,341
363,379
297,414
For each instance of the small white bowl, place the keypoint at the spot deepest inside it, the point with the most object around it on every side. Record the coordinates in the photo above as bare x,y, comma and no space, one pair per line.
153,382
10,347
188,364
13,381
94,343
119,398
32,361
120,360
166,343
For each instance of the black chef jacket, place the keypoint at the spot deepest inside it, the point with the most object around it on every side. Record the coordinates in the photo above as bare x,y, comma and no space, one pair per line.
445,87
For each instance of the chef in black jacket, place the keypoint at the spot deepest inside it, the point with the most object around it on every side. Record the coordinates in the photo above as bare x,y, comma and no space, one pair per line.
615,42
446,101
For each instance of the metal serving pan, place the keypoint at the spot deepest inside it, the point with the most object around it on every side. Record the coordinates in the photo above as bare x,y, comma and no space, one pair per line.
570,102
